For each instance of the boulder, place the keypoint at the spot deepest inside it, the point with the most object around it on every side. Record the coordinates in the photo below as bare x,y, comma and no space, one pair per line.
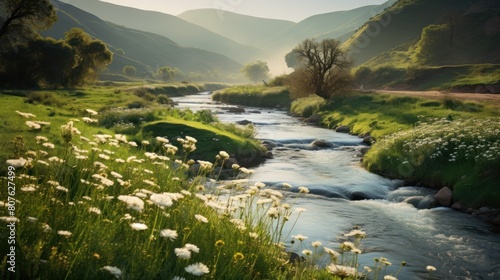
228,163
457,206
320,143
368,140
343,129
244,122
364,150
444,197
236,110
313,119
483,210
268,155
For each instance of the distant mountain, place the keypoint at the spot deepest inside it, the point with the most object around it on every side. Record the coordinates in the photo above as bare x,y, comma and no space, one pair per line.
182,32
248,30
393,37
280,36
143,50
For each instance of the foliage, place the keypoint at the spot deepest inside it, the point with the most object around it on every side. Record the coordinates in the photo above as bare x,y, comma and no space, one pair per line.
167,73
256,71
307,106
324,66
129,70
21,20
258,96
462,154
433,46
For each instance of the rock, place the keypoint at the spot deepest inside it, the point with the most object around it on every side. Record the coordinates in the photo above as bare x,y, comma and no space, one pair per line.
320,143
236,110
444,197
228,163
495,222
313,119
268,155
368,140
457,206
343,129
244,122
483,210
364,150
255,112
269,145
364,135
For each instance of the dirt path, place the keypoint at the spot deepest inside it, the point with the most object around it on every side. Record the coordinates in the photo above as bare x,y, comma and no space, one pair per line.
495,98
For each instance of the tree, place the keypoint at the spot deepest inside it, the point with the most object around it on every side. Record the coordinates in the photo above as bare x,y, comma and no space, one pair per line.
167,73
92,56
323,66
21,20
256,71
129,70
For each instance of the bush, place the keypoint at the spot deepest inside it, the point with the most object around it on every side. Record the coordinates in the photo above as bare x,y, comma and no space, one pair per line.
129,70
45,98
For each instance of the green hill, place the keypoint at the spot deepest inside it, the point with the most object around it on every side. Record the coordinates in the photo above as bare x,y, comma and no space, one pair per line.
393,37
182,32
143,50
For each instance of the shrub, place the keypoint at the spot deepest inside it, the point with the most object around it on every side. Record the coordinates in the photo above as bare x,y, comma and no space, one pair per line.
45,98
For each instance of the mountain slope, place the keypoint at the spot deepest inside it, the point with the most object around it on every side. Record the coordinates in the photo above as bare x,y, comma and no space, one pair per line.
243,29
177,29
143,50
400,27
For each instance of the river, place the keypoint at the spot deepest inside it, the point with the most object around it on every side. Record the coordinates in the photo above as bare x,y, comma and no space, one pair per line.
343,195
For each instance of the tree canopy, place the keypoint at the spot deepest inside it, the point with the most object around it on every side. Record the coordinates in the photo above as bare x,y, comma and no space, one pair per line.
256,71
322,66
21,20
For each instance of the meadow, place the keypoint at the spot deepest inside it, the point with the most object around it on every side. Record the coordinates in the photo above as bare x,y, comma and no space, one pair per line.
431,142
91,203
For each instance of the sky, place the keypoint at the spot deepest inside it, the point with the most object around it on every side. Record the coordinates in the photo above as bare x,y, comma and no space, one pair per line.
295,10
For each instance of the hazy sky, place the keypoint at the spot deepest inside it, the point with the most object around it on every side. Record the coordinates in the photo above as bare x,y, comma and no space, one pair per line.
294,10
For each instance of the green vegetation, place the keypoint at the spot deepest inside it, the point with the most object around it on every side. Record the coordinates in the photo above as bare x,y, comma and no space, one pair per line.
462,154
256,71
458,148
258,96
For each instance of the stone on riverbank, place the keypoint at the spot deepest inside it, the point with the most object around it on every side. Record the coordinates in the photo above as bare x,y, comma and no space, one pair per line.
444,197
343,129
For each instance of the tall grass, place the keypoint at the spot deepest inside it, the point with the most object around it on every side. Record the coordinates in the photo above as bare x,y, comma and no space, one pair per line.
462,154
100,206
258,96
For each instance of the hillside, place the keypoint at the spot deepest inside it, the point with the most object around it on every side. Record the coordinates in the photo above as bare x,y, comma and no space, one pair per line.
182,32
248,30
143,50
391,34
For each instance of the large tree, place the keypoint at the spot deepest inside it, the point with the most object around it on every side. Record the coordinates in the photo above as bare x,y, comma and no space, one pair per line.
21,20
324,66
256,71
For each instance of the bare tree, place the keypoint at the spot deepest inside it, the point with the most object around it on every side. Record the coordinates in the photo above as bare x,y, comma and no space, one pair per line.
324,66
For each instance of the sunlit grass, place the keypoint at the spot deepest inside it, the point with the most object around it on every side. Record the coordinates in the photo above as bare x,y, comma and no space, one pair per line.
258,96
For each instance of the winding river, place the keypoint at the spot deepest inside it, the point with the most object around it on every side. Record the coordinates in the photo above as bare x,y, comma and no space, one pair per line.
343,195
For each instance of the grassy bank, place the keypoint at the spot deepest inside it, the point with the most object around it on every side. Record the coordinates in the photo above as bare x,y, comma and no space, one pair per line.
88,202
257,96
412,134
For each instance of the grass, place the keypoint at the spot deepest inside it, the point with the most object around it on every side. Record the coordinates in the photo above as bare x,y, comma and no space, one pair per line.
91,204
257,96
406,147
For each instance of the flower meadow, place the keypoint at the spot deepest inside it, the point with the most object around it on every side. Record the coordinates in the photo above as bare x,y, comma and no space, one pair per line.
103,207
464,154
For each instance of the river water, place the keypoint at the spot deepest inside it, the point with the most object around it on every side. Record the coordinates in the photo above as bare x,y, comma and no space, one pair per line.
343,195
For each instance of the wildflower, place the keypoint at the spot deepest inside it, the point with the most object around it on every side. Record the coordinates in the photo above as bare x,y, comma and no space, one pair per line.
341,270
33,125
347,246
95,210
161,200
224,155
64,233
246,171
91,112
113,270
235,166
168,233
90,120
197,269
192,248
116,175
200,218
48,145
238,257
390,277
300,210
356,233
303,190
16,163
273,212
191,139
138,226
132,144
63,189
219,243
332,253
430,268
145,143
287,186
29,188
178,278
32,219
299,237
133,202
26,115
316,244
307,252
253,235
103,156
162,140
356,251
182,253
